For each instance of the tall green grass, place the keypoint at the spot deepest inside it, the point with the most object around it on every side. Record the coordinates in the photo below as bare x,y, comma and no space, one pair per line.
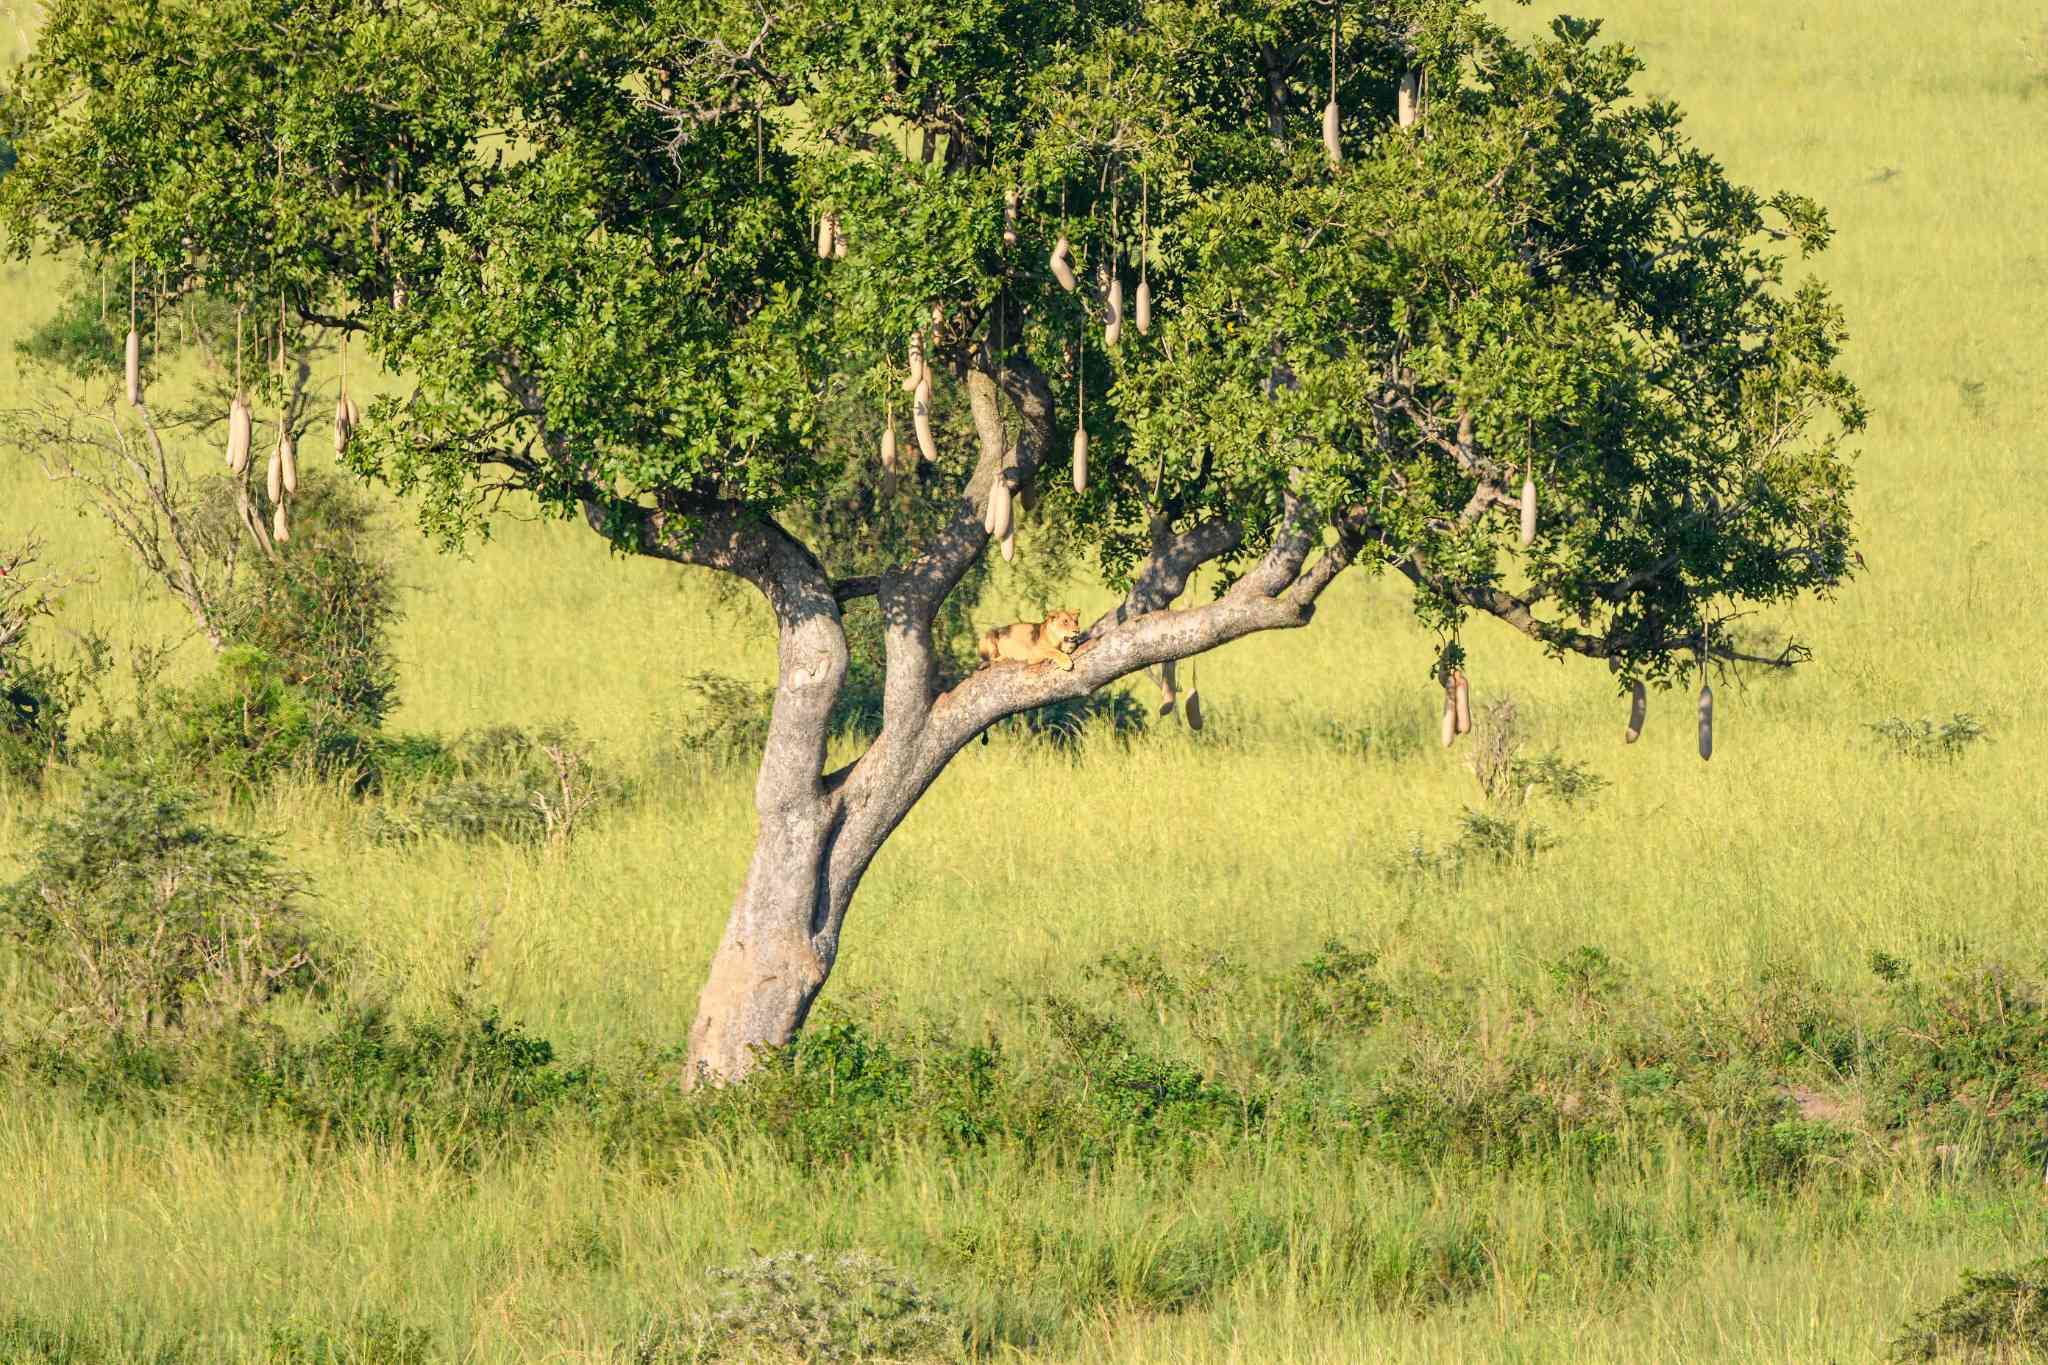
1804,846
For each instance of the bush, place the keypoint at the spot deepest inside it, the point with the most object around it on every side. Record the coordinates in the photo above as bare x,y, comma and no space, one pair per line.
732,721
323,607
244,724
1926,739
374,1338
1066,724
1996,1315
811,1307
144,920
506,784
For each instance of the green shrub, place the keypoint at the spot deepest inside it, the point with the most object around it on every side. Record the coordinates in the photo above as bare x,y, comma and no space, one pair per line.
500,783
1927,739
456,1087
1997,1315
374,1338
808,1306
143,919
322,609
731,723
244,724
25,1341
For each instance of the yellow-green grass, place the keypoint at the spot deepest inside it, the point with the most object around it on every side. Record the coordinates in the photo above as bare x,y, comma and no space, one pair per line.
1802,843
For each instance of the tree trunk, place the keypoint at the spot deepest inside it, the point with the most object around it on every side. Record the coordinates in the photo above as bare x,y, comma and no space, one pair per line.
768,969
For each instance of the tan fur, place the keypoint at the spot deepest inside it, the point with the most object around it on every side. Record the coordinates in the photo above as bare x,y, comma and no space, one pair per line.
1032,642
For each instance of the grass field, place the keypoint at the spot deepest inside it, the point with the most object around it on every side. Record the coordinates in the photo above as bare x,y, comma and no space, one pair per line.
1735,905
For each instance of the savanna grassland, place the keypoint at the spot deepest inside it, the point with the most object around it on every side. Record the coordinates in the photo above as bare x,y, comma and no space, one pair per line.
1278,1042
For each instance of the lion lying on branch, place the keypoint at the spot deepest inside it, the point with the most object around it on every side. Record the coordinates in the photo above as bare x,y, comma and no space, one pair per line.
1033,642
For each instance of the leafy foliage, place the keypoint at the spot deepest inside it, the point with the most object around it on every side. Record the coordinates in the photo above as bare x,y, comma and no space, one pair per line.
145,920
1927,738
1996,1315
806,1306
323,609
627,316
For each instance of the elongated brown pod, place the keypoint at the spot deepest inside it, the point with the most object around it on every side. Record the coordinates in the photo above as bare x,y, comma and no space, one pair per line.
1062,264
1141,312
988,508
280,529
355,416
1192,710
838,241
916,375
1113,324
1003,514
273,482
134,359
828,232
341,429
889,443
1706,722
921,418
1638,711
1409,103
1009,547
288,461
1010,201
1333,127
1528,509
1080,458
1461,693
240,427
1450,724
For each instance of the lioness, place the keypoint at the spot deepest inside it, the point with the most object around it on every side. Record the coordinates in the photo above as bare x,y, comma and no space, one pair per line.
1031,642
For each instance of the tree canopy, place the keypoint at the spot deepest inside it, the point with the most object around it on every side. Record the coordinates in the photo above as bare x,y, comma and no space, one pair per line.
584,235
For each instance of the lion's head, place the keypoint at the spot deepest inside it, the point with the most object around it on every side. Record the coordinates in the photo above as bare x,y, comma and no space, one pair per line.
1062,626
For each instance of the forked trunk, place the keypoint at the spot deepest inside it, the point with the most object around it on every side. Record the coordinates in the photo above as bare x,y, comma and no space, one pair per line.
783,935
768,968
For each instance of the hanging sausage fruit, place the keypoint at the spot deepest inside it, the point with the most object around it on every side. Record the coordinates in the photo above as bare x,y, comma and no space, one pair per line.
241,425
1063,264
1141,312
1333,144
133,354
1081,423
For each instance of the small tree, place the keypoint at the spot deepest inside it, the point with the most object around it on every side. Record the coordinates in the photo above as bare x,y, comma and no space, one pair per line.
625,257
320,603
145,919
